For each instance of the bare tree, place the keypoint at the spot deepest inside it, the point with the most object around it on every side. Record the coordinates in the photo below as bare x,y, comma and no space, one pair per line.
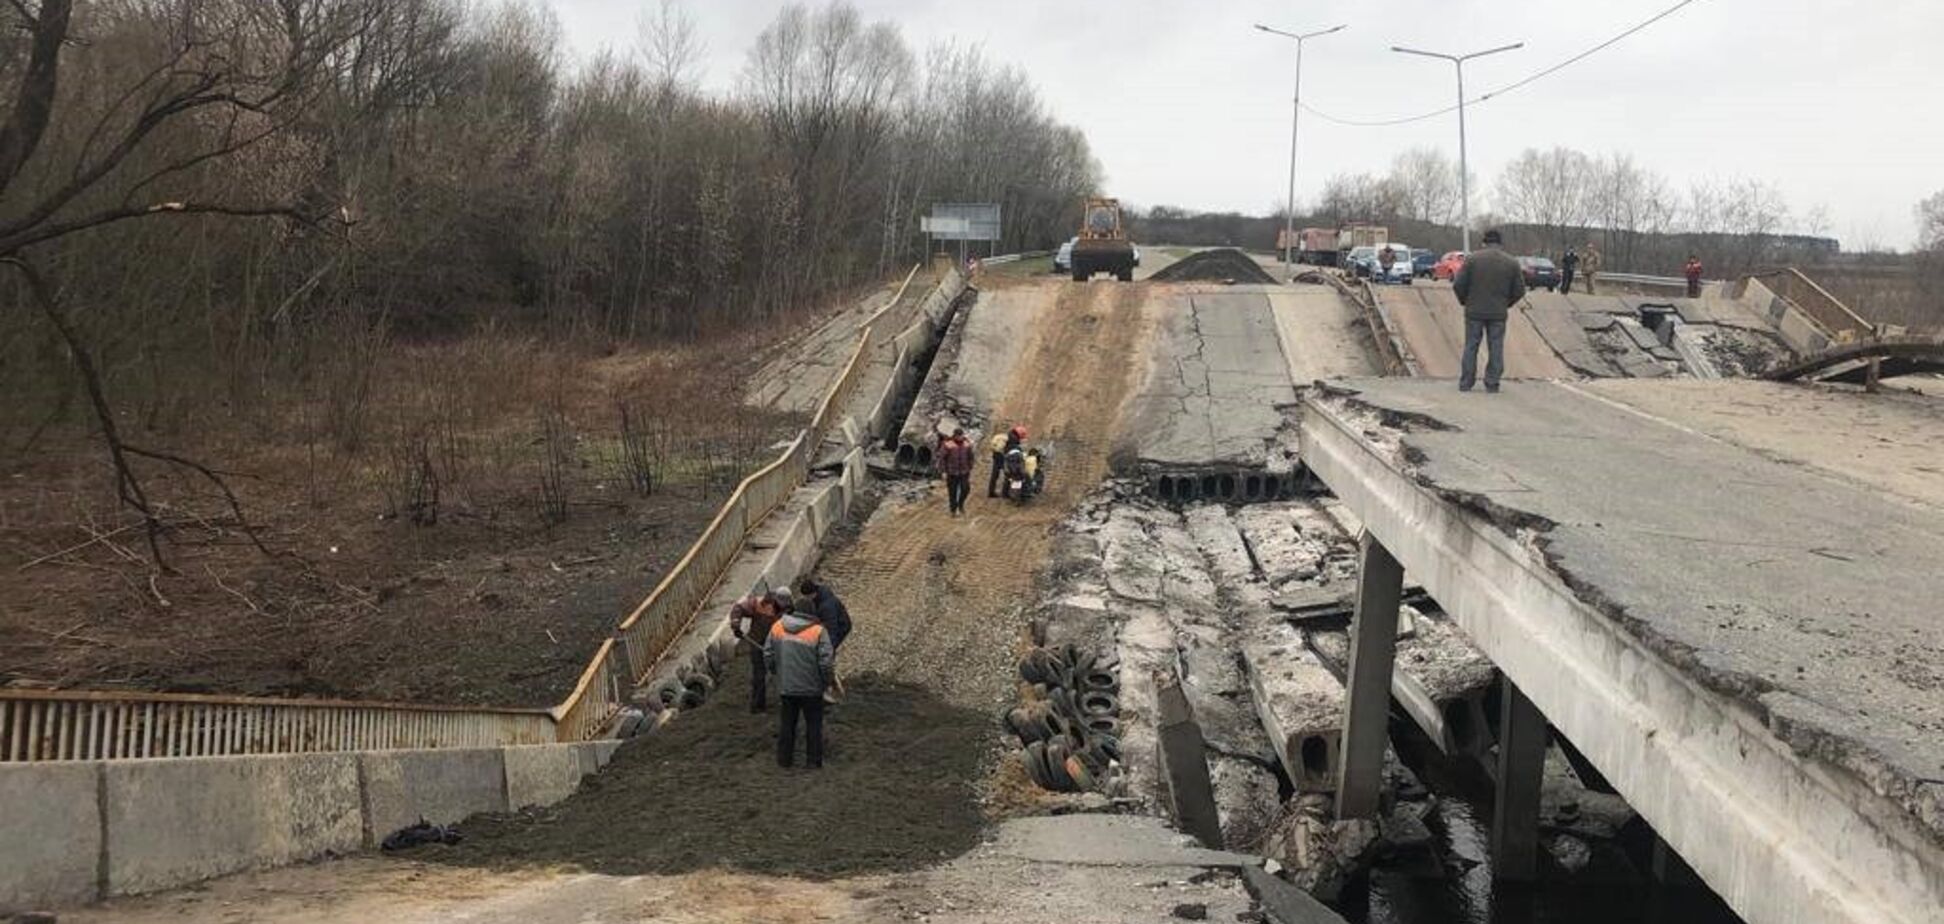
1427,183
220,81
670,45
1930,222
1549,189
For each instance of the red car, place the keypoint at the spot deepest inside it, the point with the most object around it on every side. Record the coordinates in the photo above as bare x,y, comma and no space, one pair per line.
1448,265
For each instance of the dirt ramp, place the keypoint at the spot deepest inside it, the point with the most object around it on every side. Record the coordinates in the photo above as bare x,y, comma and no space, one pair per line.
705,792
1223,264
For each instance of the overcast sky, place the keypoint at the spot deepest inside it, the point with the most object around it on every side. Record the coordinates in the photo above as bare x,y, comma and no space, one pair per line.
1186,104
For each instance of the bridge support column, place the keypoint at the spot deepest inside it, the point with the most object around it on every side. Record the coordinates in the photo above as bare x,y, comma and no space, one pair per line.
1373,653
1521,769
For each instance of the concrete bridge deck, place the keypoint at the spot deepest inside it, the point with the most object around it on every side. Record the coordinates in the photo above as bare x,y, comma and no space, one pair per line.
1743,637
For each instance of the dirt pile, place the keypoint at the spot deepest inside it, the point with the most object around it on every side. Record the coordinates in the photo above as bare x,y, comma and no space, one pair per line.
704,792
1223,264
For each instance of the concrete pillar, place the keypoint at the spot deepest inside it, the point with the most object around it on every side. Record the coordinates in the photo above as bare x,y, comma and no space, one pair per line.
1521,769
1373,650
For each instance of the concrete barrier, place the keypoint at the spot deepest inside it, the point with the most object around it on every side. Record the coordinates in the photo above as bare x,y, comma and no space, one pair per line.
73,832
176,821
50,834
542,775
402,788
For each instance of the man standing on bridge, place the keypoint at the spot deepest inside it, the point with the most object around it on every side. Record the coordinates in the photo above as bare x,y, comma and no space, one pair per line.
955,463
760,612
1591,264
1490,283
1692,270
804,659
1568,264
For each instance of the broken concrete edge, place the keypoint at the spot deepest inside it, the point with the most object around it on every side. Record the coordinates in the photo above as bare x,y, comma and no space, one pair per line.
1387,431
921,345
75,832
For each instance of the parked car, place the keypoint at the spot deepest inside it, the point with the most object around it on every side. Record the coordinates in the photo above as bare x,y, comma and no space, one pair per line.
1063,258
1448,265
1401,270
1360,262
1540,273
1422,260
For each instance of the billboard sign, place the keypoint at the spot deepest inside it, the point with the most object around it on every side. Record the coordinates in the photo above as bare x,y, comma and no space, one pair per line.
962,221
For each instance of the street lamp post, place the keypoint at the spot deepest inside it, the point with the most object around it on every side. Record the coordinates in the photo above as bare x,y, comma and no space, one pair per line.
1464,176
1295,117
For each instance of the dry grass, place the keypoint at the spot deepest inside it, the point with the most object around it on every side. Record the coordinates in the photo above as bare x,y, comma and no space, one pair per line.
452,522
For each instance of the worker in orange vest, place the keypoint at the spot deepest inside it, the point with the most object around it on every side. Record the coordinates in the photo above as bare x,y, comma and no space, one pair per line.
802,660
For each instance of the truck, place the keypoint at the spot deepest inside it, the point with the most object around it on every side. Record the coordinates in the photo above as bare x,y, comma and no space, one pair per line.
1102,245
1315,246
1353,236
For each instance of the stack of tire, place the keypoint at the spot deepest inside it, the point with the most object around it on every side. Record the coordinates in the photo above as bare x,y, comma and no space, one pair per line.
1069,725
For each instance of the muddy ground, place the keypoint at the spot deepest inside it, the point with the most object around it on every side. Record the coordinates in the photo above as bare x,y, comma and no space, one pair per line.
705,792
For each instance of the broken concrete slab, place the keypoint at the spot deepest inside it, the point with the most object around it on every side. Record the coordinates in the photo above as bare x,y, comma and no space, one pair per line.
1300,706
1216,381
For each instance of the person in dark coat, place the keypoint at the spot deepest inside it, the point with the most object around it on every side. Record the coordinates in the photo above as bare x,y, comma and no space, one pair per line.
1568,265
828,609
821,601
1489,285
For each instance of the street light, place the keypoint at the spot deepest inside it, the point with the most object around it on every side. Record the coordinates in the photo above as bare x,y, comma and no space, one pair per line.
1296,112
1464,178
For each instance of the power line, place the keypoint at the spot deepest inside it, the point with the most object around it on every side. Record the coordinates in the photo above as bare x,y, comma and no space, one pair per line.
1371,123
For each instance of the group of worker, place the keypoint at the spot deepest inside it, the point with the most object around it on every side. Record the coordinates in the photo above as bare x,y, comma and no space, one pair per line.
1584,266
1012,460
793,638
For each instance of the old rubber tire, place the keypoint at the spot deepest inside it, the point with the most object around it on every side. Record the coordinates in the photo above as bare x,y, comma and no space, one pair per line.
1126,275
1079,276
1033,758
669,692
1056,758
1078,771
1103,725
1101,703
1016,721
1100,681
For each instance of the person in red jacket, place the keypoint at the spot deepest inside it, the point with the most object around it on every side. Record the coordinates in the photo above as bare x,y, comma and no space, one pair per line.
955,460
750,620
1693,273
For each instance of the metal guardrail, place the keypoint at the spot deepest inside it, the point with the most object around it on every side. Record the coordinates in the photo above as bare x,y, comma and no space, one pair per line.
1636,279
42,725
37,725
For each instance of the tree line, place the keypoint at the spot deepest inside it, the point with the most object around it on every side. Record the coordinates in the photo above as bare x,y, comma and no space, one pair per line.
1547,201
206,198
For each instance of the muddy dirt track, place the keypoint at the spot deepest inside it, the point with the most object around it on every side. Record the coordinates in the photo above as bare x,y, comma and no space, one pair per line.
938,604
938,600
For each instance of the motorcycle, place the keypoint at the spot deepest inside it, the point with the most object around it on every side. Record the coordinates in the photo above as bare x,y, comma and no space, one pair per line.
1025,474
